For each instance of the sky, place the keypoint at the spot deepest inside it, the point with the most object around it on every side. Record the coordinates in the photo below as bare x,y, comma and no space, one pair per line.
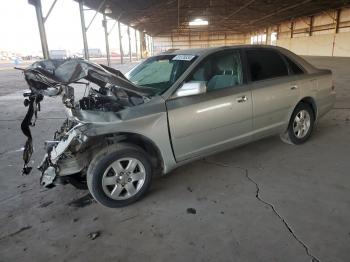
19,30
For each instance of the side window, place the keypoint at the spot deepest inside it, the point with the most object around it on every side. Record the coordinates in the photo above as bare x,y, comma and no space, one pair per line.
219,71
296,70
265,64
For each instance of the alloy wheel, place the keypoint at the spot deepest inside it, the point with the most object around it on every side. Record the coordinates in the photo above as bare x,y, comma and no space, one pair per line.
301,124
123,178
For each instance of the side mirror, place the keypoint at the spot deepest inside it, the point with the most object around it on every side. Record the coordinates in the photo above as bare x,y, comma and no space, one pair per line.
191,88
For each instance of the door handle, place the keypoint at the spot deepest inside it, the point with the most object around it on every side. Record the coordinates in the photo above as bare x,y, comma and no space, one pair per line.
294,87
242,99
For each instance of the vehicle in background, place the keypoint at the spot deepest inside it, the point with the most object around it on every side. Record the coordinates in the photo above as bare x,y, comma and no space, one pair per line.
59,54
4,55
172,109
16,60
115,54
27,57
78,55
95,53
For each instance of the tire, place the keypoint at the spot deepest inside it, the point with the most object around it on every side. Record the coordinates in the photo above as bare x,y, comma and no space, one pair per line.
301,125
119,176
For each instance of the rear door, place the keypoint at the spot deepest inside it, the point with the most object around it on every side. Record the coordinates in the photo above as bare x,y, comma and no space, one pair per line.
274,90
218,119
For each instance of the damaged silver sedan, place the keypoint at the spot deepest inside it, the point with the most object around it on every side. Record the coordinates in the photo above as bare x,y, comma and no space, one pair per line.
169,110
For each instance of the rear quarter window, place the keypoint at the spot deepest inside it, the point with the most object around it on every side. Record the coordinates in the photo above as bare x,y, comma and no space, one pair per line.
296,70
265,64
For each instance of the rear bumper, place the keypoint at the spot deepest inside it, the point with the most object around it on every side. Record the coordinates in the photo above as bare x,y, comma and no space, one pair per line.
327,105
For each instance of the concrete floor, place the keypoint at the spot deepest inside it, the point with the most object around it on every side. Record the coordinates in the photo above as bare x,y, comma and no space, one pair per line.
266,201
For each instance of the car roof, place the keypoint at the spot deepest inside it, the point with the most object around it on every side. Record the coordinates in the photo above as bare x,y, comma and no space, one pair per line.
208,51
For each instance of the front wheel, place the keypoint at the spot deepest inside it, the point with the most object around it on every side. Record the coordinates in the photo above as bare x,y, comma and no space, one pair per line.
121,177
301,125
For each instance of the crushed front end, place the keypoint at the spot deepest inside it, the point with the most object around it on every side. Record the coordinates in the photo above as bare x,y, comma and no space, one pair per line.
65,154
107,92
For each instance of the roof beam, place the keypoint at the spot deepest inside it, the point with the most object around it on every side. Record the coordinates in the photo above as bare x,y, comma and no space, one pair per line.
280,11
237,11
50,10
97,10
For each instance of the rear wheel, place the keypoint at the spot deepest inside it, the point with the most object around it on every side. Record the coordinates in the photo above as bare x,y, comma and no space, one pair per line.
300,125
121,177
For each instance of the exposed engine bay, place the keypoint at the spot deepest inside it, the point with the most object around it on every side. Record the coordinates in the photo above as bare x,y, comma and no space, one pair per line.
105,90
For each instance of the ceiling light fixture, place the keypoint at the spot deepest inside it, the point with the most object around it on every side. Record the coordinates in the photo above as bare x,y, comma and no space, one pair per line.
108,10
198,21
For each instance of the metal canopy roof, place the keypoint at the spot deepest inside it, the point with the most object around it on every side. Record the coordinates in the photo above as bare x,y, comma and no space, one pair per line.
160,17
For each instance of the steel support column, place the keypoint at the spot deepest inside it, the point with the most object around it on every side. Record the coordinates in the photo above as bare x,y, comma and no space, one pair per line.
129,38
146,45
41,26
337,20
336,31
143,44
120,43
136,44
152,46
311,25
172,40
83,30
104,23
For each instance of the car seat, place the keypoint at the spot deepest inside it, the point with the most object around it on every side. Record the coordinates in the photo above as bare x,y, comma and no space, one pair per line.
225,73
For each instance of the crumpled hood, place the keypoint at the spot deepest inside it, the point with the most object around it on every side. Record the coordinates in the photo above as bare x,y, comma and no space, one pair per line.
44,74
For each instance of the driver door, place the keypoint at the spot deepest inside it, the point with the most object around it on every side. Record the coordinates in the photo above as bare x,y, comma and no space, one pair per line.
217,119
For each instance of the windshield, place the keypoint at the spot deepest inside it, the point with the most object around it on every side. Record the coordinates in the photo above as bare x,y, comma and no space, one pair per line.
160,72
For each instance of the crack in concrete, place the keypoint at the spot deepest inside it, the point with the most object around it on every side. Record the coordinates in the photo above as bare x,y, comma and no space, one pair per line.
258,197
16,232
11,197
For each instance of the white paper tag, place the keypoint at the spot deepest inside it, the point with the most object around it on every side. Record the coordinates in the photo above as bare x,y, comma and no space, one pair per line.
184,57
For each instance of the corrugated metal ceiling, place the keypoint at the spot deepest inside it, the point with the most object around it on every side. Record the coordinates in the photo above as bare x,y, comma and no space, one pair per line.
162,16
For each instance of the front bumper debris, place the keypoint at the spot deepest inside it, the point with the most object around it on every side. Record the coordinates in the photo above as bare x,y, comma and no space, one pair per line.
32,101
49,166
48,177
